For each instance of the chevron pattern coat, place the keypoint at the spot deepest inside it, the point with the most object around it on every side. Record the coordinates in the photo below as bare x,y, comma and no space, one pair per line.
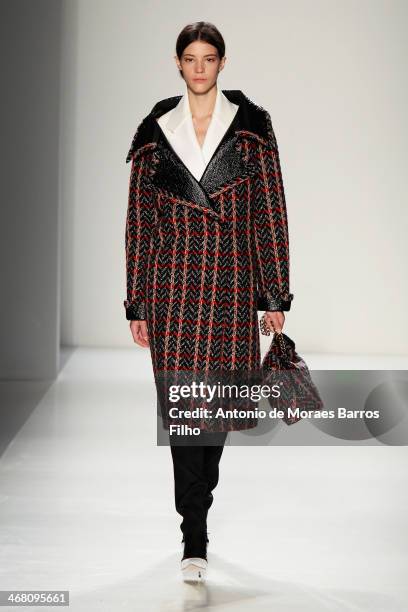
203,257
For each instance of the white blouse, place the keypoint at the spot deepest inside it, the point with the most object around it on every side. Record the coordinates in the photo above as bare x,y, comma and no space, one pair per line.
177,125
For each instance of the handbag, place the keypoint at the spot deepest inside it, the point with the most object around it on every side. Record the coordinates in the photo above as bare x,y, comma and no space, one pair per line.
298,391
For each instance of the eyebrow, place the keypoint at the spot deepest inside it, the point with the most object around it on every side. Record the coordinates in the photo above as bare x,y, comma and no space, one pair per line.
207,54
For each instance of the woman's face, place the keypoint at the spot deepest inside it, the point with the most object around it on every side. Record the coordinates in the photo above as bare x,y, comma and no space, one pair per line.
200,65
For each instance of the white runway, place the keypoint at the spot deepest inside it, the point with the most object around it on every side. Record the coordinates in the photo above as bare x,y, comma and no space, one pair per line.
86,505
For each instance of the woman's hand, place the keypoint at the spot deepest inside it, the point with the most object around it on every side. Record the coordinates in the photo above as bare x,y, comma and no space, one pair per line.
275,320
139,333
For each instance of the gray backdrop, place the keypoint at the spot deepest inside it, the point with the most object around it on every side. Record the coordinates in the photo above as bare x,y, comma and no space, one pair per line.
78,77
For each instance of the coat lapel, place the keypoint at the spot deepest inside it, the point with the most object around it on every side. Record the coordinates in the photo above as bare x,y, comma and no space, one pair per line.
224,168
173,178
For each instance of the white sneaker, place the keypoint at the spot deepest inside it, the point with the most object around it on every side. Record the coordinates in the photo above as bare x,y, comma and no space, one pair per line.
194,569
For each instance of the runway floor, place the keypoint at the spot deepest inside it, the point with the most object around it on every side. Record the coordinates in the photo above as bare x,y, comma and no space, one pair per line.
86,505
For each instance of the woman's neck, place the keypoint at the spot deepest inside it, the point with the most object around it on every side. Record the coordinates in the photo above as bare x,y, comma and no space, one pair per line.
202,105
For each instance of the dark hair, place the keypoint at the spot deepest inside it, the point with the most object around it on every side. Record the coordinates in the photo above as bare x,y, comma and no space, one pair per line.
200,30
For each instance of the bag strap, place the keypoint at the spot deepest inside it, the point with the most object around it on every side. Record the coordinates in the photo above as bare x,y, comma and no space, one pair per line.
266,332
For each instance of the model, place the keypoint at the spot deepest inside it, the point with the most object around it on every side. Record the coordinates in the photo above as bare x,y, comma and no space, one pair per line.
207,247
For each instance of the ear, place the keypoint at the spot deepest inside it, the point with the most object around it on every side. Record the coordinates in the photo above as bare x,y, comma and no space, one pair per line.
222,63
176,59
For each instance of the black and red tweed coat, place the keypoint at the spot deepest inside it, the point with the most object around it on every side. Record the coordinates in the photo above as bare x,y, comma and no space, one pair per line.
203,257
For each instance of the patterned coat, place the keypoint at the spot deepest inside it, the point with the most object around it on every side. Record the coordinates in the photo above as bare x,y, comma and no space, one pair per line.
203,257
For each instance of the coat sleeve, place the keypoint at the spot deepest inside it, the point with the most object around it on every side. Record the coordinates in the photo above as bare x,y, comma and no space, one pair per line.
140,220
271,228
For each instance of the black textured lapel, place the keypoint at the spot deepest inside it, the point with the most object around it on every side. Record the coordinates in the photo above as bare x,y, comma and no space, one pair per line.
225,166
226,163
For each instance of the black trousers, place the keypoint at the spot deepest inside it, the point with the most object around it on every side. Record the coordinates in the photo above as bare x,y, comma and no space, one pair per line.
196,474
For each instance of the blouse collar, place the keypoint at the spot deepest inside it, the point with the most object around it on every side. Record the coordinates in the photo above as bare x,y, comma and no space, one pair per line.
224,110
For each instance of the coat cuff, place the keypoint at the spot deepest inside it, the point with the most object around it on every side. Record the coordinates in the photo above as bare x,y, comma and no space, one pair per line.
135,311
269,303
